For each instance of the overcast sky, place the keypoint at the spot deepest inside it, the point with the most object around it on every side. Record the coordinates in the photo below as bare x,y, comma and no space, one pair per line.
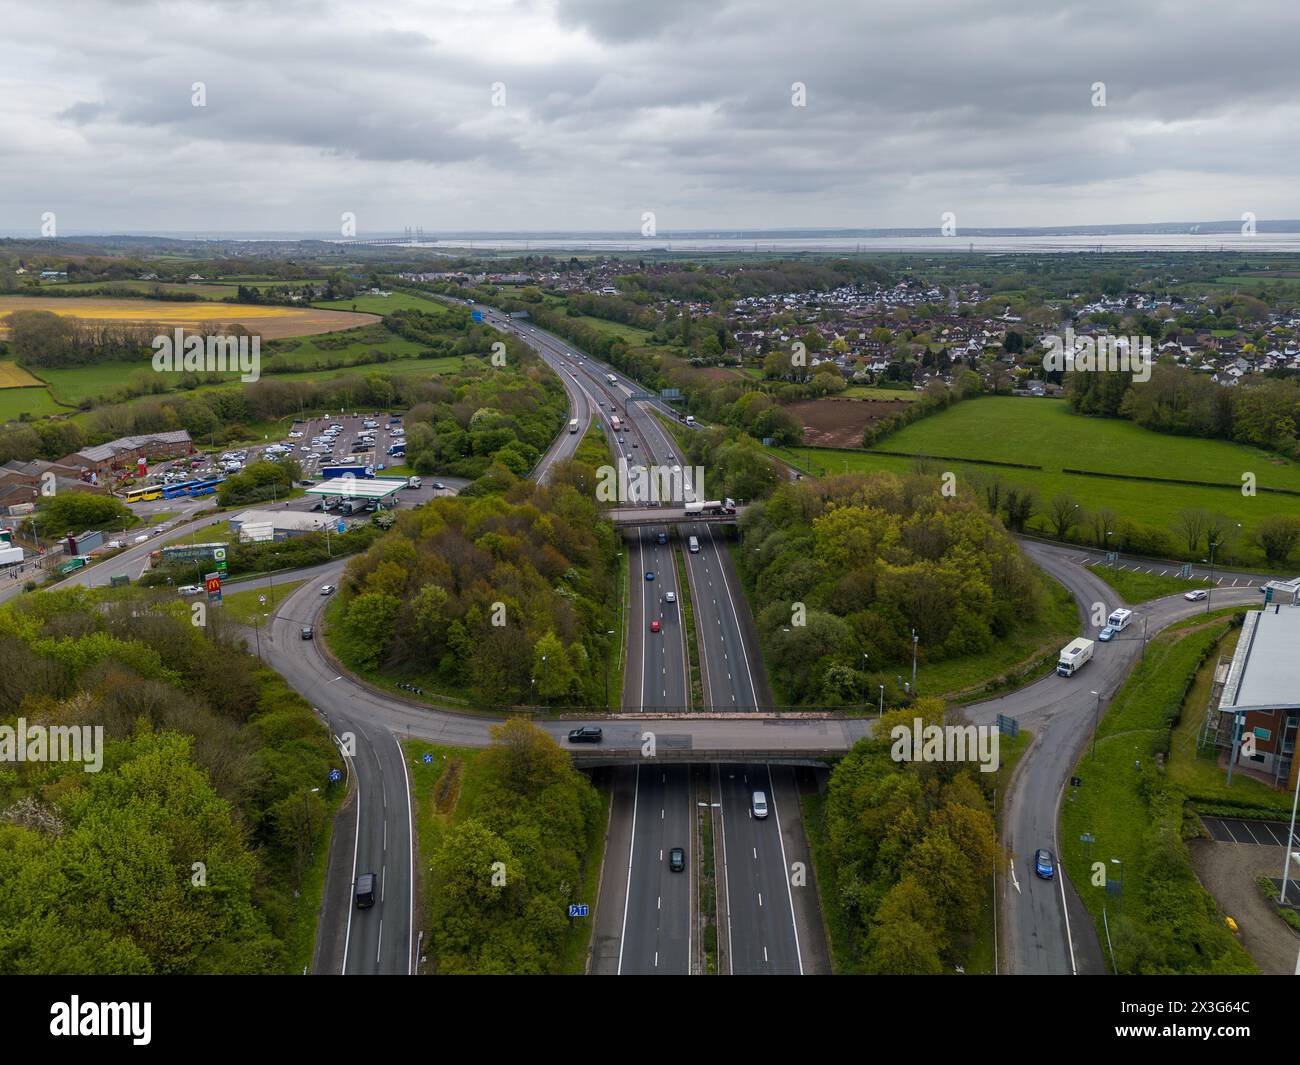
681,107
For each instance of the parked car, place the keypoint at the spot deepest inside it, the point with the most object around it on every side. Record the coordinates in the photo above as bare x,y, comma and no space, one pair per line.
586,734
1196,595
676,860
1043,864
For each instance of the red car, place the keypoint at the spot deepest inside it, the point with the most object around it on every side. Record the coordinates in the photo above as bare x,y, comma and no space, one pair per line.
654,626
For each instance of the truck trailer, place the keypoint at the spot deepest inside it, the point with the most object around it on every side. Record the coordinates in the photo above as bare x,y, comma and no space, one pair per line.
1073,656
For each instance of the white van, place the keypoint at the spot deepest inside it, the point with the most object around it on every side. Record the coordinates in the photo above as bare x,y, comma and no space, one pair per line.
760,805
693,545
1119,619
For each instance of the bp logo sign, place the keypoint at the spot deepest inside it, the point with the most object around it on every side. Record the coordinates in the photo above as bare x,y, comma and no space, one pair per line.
219,557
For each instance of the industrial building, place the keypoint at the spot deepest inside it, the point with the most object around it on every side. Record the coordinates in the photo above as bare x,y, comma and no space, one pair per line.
1257,694
262,525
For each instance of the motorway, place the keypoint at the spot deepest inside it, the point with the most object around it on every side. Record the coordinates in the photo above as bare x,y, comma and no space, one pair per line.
765,923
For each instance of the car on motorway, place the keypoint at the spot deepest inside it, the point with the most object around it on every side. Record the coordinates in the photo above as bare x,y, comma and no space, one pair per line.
759,805
649,575
308,632
670,597
661,538
586,734
654,626
327,589
677,860
1107,634
1196,595
1043,867
365,891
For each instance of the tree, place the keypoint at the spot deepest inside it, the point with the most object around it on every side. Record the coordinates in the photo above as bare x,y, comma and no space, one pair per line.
1193,522
1277,536
1063,513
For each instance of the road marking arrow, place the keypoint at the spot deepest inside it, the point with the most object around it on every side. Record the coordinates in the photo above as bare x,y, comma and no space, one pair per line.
1014,882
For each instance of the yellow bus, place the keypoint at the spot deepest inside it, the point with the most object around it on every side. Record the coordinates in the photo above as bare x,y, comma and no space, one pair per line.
144,494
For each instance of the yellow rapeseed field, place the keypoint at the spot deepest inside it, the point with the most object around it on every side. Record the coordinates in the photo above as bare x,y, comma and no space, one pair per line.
14,376
270,322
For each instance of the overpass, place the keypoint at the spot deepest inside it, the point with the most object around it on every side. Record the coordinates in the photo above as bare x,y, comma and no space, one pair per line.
596,758
634,517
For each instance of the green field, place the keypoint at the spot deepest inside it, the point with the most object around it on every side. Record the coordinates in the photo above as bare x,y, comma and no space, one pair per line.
32,402
386,304
630,333
867,392
1044,433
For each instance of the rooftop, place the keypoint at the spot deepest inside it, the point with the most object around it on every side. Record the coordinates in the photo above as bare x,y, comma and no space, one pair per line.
1265,671
357,488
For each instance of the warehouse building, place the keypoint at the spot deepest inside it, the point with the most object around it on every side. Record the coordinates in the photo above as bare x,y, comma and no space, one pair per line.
1258,713
253,526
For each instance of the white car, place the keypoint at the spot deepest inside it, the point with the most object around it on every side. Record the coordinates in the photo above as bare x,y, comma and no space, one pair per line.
1196,595
189,589
295,435
327,589
670,597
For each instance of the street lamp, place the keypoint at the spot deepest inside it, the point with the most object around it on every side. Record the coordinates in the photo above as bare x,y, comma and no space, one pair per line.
915,638
882,701
864,676
1096,724
1116,861
1290,841
1213,545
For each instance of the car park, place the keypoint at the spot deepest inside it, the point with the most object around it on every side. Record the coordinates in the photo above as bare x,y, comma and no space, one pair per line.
1043,867
586,734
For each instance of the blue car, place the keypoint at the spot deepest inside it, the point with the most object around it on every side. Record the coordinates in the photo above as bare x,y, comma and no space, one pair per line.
1108,633
649,575
1043,864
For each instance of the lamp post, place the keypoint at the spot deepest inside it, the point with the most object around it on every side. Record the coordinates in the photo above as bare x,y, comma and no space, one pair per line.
1117,861
864,676
882,701
1096,724
915,639
1290,842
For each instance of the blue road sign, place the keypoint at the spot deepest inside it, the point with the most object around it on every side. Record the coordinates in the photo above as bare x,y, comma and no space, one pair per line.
476,316
342,527
428,758
335,776
577,909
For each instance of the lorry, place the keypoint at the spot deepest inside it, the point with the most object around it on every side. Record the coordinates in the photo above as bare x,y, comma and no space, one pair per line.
614,423
10,555
357,470
712,506
1074,655
413,482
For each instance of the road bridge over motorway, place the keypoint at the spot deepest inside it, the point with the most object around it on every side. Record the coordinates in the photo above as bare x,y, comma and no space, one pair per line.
631,518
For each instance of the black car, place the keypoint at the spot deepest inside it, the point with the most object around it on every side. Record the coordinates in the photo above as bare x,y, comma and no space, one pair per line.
307,632
677,860
661,538
586,734
365,892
